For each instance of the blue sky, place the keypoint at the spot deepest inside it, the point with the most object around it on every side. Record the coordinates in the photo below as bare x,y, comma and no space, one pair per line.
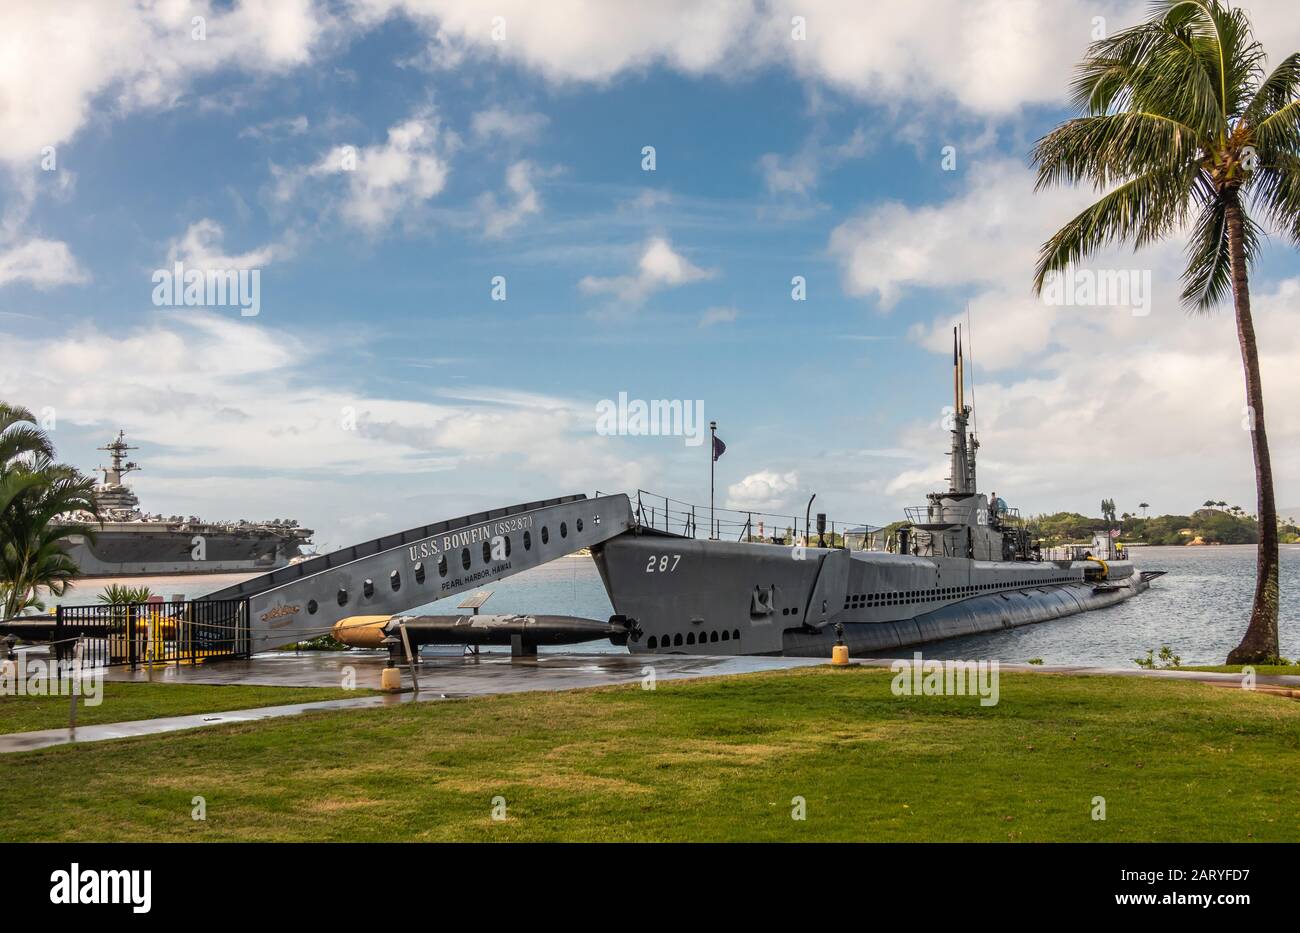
381,387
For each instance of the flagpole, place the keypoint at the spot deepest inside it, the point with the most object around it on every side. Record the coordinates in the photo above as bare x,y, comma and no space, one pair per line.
713,458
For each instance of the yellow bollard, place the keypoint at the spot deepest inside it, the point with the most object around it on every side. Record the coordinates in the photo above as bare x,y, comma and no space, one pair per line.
390,679
840,654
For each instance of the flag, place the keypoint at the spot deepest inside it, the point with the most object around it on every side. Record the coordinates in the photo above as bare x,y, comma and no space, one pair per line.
719,448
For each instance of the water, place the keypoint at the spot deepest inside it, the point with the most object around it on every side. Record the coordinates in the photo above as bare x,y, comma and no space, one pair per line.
1199,608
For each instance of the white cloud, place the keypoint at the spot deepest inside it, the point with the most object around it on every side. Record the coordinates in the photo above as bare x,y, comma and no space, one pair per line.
718,315
281,126
799,173
410,167
202,246
40,263
988,234
498,219
1104,398
989,56
1152,406
764,491
219,395
659,266
54,67
499,123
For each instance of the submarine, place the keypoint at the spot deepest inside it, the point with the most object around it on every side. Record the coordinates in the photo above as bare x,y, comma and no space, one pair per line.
963,564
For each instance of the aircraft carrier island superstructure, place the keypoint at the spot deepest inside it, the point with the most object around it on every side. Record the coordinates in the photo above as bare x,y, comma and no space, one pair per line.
128,541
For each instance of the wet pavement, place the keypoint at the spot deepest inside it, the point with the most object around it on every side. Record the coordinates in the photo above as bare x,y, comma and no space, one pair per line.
441,678
444,677
495,672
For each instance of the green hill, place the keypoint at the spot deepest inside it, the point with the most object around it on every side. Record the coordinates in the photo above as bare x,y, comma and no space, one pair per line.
1204,526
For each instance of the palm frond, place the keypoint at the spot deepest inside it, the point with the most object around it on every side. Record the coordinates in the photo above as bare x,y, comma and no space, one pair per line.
1207,279
1143,209
1108,148
1275,191
1280,88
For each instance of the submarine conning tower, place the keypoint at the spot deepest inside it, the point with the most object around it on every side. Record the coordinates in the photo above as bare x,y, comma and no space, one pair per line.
961,504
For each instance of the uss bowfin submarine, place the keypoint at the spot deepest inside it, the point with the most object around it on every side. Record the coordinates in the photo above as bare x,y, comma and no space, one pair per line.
962,565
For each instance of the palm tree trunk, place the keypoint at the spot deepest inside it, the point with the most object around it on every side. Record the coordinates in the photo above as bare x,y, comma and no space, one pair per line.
1260,643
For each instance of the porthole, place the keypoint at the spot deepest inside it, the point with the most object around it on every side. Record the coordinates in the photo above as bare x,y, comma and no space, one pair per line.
690,638
564,529
395,580
546,535
677,640
736,634
487,552
713,636
312,607
653,643
528,540
419,569
726,636
507,539
442,565
368,588
343,596
579,524
464,558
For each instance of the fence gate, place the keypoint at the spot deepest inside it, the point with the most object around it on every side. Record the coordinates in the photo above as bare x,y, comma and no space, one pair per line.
181,632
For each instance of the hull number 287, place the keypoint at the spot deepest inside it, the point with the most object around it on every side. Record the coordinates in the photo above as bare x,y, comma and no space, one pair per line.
663,563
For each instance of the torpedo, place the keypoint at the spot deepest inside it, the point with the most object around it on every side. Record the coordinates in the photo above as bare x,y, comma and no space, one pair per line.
526,632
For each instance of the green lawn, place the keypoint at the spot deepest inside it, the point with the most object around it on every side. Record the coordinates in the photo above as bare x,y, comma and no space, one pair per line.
123,702
718,759
1292,669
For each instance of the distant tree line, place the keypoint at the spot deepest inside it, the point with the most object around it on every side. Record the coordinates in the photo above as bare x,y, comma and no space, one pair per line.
1212,525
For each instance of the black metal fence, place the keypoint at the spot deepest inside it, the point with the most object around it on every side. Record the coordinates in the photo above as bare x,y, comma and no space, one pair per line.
184,632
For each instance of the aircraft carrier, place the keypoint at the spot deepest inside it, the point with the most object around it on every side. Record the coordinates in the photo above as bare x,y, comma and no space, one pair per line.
131,542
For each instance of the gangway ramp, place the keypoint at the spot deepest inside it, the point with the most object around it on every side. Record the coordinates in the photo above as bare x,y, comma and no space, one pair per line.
397,572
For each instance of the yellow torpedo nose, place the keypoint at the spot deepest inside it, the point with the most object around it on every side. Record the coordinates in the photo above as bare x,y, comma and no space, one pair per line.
360,631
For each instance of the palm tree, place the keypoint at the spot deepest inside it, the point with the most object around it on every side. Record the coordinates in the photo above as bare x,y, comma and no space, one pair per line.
1185,129
1144,506
34,490
20,440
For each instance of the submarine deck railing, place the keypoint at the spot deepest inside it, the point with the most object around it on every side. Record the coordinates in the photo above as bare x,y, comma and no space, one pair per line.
662,513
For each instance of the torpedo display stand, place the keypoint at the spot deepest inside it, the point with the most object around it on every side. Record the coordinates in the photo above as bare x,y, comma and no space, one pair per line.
474,602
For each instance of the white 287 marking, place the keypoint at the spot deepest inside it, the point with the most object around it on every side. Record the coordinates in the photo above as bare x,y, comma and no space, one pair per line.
662,561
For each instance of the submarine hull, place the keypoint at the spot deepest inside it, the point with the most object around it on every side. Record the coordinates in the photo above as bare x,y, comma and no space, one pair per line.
689,596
